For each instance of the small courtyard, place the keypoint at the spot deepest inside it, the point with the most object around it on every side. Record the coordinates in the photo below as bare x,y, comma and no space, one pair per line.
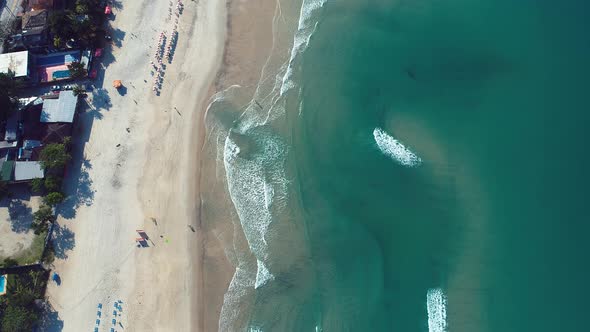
17,240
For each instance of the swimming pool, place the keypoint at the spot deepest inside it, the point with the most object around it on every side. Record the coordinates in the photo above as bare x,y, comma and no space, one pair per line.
61,74
58,59
2,284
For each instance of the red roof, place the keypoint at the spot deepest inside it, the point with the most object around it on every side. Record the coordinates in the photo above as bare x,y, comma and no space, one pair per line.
107,10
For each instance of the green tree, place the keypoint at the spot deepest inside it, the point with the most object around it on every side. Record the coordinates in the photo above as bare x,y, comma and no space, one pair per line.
77,70
53,198
52,183
44,214
41,218
57,42
8,88
18,319
60,24
81,7
9,262
78,90
37,185
54,156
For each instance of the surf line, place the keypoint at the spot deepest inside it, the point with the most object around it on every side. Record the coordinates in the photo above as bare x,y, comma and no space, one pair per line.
436,304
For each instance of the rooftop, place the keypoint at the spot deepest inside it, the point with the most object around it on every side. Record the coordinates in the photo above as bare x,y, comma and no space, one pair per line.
39,4
35,19
6,168
18,62
11,127
27,170
61,109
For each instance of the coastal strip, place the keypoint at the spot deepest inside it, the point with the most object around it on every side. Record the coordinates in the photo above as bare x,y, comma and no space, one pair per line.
140,153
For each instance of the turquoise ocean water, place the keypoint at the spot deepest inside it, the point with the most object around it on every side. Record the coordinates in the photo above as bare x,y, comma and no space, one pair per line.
421,165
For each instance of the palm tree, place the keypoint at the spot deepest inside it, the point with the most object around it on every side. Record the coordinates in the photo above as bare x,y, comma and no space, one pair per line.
77,70
78,90
56,42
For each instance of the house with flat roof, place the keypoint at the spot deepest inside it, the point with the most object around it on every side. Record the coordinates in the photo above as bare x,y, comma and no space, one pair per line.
61,109
27,170
16,62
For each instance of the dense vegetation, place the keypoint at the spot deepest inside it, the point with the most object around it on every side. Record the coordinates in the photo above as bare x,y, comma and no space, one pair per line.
77,70
81,23
54,157
18,311
8,100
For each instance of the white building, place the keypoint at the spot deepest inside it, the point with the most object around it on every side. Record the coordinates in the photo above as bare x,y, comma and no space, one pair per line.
17,62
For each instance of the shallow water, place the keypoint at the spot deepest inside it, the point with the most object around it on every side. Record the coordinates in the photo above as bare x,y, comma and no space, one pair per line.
420,166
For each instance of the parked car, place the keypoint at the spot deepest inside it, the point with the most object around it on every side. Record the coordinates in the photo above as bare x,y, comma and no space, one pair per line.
68,87
55,88
93,74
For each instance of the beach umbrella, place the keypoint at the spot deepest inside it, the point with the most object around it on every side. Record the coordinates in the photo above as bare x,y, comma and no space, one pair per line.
117,84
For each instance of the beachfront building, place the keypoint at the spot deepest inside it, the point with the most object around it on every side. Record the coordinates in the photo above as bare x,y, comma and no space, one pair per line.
25,171
60,110
17,63
38,123
34,35
13,171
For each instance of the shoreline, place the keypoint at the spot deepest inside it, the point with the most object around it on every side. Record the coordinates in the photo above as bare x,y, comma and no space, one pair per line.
247,46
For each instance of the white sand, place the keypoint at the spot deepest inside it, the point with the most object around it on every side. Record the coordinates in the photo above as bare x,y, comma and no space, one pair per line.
152,174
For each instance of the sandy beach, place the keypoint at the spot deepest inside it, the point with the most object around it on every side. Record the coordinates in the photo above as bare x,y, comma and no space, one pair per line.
135,167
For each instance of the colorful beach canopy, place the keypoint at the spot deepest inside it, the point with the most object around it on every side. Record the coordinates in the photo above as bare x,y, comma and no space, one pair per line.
117,84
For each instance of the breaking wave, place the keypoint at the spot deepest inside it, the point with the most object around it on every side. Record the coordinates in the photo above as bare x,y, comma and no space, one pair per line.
436,303
255,154
394,149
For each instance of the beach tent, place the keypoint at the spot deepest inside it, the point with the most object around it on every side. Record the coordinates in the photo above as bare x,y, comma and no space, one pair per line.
117,84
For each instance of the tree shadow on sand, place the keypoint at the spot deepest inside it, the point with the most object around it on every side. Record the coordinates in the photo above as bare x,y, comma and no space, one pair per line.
100,101
78,184
19,213
118,36
78,187
116,4
63,241
21,216
49,321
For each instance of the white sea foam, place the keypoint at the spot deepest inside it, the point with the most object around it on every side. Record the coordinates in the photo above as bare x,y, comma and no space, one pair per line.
257,180
436,304
262,275
305,30
394,149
